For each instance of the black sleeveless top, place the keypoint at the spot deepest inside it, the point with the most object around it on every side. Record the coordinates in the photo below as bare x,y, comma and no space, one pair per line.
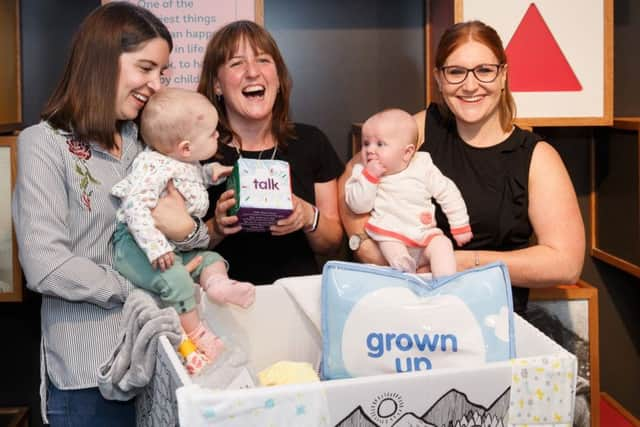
494,183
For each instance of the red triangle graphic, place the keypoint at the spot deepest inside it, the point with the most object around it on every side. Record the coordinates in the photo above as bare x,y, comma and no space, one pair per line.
536,62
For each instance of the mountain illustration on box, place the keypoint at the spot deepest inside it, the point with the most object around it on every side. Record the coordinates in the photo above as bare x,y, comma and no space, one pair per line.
453,409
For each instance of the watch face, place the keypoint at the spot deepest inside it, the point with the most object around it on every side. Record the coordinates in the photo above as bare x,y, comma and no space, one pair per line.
354,242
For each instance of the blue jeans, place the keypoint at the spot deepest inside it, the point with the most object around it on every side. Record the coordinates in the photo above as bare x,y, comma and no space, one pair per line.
87,407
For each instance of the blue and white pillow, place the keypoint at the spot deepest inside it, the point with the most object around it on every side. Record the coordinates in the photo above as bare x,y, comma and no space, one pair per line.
376,320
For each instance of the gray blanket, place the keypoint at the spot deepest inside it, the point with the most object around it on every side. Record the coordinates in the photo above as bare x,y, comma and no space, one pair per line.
132,363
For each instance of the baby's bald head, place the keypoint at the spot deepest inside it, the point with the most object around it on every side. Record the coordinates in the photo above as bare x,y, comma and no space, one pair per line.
393,121
172,115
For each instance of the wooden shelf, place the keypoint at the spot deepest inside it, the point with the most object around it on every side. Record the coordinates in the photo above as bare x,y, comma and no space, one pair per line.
626,123
10,72
17,416
615,195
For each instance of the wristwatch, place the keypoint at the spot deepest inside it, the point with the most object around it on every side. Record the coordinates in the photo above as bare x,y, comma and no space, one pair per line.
355,240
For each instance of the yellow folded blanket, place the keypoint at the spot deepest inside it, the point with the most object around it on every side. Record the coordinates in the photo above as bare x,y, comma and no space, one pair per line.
287,372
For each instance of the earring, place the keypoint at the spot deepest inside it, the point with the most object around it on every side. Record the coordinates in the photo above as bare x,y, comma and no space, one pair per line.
219,98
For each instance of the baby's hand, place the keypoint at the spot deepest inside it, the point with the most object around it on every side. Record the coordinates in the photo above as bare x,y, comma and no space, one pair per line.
463,238
375,168
218,171
214,173
164,262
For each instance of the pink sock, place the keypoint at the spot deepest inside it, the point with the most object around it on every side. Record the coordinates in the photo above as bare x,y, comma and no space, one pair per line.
206,341
221,289
196,362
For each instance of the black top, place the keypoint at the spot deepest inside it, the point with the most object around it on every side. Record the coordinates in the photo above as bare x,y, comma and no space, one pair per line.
494,183
260,257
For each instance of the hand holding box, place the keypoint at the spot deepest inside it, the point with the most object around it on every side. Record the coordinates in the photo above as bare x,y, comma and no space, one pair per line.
263,193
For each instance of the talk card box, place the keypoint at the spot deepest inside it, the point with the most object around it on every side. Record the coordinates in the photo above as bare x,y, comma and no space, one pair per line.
537,388
263,192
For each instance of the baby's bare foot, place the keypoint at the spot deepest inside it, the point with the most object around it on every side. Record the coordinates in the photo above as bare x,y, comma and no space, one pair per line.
222,290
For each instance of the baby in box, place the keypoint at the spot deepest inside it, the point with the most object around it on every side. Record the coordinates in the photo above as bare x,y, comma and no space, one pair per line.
179,127
396,184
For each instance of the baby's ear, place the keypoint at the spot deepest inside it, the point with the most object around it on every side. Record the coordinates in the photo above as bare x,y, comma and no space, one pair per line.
184,149
408,152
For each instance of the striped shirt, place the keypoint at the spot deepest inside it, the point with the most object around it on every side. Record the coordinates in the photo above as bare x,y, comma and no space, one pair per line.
64,218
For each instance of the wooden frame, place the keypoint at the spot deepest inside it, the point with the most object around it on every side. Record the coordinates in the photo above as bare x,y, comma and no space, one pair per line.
574,310
443,13
10,82
16,416
14,291
259,7
627,256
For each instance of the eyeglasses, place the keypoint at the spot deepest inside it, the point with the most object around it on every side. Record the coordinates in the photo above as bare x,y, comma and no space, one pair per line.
485,73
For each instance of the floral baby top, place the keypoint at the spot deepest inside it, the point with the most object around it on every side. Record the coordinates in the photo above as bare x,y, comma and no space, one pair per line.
146,183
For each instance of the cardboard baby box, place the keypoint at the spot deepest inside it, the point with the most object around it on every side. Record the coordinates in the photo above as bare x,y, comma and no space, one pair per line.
263,192
536,388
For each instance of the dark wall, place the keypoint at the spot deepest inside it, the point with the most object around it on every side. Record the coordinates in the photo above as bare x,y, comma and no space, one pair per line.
47,29
350,59
347,59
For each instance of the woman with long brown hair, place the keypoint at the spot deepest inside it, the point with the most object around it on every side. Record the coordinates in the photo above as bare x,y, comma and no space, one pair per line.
63,212
245,76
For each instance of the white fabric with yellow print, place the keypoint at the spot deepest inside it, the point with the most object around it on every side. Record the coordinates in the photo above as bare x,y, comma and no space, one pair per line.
539,387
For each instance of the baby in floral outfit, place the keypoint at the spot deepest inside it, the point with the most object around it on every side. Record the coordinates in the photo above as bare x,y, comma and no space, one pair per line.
397,186
179,127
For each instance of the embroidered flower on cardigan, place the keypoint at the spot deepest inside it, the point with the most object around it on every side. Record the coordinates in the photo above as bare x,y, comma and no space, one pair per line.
82,151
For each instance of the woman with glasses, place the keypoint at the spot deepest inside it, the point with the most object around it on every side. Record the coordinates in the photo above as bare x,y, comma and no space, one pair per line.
514,184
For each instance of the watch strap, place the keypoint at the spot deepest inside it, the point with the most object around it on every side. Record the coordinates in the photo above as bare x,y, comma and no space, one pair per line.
316,220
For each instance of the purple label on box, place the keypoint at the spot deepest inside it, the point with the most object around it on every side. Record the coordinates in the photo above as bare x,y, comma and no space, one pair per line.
258,219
